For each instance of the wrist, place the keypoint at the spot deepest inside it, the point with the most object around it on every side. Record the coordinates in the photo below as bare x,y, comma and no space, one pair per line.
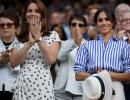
29,44
38,40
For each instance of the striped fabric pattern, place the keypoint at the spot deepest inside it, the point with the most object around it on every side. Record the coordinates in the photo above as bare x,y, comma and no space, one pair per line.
113,56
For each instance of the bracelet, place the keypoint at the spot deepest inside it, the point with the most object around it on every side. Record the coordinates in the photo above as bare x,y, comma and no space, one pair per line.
38,40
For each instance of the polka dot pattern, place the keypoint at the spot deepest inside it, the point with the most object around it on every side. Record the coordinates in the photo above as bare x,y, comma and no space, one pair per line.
34,81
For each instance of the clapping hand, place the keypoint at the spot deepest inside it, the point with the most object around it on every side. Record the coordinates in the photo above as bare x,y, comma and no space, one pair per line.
35,27
5,56
78,39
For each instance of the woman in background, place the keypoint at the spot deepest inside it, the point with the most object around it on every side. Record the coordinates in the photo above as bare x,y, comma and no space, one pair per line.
66,87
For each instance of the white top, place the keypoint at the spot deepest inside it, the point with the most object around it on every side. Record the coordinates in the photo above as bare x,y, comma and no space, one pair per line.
66,76
7,74
34,81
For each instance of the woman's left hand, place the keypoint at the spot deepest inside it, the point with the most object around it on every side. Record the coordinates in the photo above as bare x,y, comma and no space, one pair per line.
35,27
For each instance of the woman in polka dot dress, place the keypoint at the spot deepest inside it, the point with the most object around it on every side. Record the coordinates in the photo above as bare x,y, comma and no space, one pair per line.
35,52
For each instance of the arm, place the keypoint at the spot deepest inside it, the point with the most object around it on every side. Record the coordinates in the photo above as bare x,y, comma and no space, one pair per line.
18,57
50,53
126,64
80,66
66,47
120,76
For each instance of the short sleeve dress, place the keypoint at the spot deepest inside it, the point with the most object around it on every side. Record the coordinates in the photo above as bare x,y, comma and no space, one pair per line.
34,81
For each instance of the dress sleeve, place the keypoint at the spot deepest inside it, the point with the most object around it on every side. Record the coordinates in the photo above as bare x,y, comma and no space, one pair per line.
54,37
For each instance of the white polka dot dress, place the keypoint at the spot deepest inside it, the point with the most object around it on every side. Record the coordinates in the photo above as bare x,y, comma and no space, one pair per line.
34,81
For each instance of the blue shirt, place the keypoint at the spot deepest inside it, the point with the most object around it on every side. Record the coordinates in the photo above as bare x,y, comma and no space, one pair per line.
113,56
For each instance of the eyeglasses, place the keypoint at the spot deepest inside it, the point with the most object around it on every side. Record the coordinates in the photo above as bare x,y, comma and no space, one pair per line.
101,19
125,20
8,25
79,25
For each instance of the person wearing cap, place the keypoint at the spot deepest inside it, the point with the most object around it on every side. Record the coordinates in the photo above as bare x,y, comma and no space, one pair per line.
107,52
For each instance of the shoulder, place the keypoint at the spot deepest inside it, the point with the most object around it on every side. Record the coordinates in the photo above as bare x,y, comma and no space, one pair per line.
53,36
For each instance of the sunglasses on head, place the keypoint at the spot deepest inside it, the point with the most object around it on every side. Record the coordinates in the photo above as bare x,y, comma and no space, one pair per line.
8,25
79,25
101,19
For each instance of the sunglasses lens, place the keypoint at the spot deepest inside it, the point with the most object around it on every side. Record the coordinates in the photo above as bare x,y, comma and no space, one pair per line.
8,25
73,24
79,25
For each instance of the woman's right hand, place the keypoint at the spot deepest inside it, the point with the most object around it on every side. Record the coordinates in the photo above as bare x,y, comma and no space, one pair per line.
31,39
77,36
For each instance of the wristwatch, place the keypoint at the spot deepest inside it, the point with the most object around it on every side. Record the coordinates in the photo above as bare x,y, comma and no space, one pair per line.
39,39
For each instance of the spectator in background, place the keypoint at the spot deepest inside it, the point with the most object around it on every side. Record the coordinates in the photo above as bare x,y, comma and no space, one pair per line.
91,12
92,32
68,11
66,87
62,35
9,25
55,17
91,28
126,36
111,54
119,11
60,30
121,24
35,52
126,25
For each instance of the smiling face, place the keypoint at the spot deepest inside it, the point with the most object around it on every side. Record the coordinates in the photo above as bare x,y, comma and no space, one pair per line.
33,12
104,24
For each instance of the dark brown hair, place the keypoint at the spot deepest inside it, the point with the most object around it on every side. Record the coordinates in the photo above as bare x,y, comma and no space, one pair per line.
108,13
24,30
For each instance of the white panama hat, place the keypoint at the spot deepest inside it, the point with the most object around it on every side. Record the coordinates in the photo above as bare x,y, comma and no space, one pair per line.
97,87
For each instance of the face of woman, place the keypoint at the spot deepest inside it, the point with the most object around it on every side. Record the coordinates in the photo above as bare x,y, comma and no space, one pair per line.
77,27
104,24
7,27
33,13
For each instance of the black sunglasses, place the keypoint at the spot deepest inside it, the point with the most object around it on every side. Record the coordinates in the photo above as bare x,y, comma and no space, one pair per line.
79,25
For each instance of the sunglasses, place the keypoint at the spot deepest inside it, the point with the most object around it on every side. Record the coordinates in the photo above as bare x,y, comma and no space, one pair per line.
79,25
8,25
102,19
125,20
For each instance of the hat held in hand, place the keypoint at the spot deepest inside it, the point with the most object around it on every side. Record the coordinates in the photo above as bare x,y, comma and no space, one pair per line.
97,87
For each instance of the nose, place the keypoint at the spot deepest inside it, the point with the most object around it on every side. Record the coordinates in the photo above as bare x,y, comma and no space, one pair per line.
5,26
